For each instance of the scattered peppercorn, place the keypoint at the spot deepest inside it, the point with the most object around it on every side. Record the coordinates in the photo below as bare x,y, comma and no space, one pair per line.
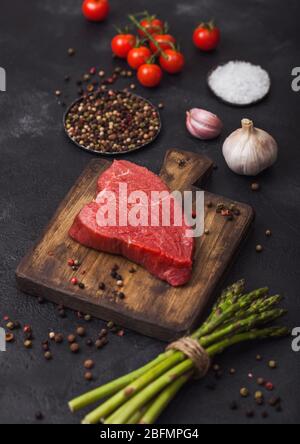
89,342
39,416
234,405
272,364
100,343
255,186
81,286
206,231
71,339
161,106
62,313
258,357
71,51
244,392
87,318
269,386
89,364
27,343
258,395
58,338
274,401
259,248
45,346
261,381
121,295
232,371
51,335
57,93
88,376
48,355
81,331
103,333
110,324
74,347
102,286
250,414
9,337
10,325
268,233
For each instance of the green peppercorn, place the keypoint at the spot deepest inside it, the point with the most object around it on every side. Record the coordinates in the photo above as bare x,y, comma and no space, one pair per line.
244,392
272,364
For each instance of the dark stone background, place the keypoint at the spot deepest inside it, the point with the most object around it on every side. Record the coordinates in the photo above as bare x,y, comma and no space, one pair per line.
39,165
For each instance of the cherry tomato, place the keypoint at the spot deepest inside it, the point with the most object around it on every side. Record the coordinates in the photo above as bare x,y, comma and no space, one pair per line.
152,26
165,41
149,75
122,43
138,56
95,10
207,36
172,61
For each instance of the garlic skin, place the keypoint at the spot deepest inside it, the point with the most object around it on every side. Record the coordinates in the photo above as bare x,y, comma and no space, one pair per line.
203,124
248,151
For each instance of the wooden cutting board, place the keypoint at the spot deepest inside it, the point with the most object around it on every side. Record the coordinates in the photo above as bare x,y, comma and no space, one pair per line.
151,306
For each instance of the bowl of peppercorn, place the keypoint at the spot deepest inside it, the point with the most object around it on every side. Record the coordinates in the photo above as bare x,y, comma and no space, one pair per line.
112,122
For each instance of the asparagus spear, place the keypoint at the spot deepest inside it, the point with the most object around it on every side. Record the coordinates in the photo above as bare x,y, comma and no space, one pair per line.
234,318
217,337
126,410
113,387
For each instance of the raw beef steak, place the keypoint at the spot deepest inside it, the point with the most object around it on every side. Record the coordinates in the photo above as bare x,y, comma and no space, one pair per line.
164,251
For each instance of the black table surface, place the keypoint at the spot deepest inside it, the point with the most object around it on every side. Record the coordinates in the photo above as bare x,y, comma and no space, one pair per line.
39,165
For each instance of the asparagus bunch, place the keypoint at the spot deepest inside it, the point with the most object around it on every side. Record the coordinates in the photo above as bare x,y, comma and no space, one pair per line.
140,396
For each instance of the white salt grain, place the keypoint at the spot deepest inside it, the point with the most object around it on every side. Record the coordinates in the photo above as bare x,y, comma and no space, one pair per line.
240,83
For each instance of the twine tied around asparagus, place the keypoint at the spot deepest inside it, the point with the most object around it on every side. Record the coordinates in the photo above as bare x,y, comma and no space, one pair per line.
194,351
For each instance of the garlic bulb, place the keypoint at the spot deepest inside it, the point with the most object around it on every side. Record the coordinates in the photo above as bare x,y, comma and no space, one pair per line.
249,151
203,124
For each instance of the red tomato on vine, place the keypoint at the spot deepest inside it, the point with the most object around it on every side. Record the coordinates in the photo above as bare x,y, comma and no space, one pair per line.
152,25
164,41
121,44
207,36
149,75
95,10
138,56
172,61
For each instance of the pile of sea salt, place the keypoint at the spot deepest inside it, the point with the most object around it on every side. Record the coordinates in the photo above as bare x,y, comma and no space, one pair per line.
240,83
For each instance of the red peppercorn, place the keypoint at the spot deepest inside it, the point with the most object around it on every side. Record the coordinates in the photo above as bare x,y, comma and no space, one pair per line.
74,281
27,329
269,386
71,262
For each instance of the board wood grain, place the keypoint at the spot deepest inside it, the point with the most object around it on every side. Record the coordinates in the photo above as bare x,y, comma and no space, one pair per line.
151,306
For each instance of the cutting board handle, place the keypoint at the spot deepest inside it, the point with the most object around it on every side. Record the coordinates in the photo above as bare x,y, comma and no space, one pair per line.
182,169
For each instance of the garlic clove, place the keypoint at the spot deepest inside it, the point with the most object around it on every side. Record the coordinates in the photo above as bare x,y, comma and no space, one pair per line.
190,127
203,124
249,150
